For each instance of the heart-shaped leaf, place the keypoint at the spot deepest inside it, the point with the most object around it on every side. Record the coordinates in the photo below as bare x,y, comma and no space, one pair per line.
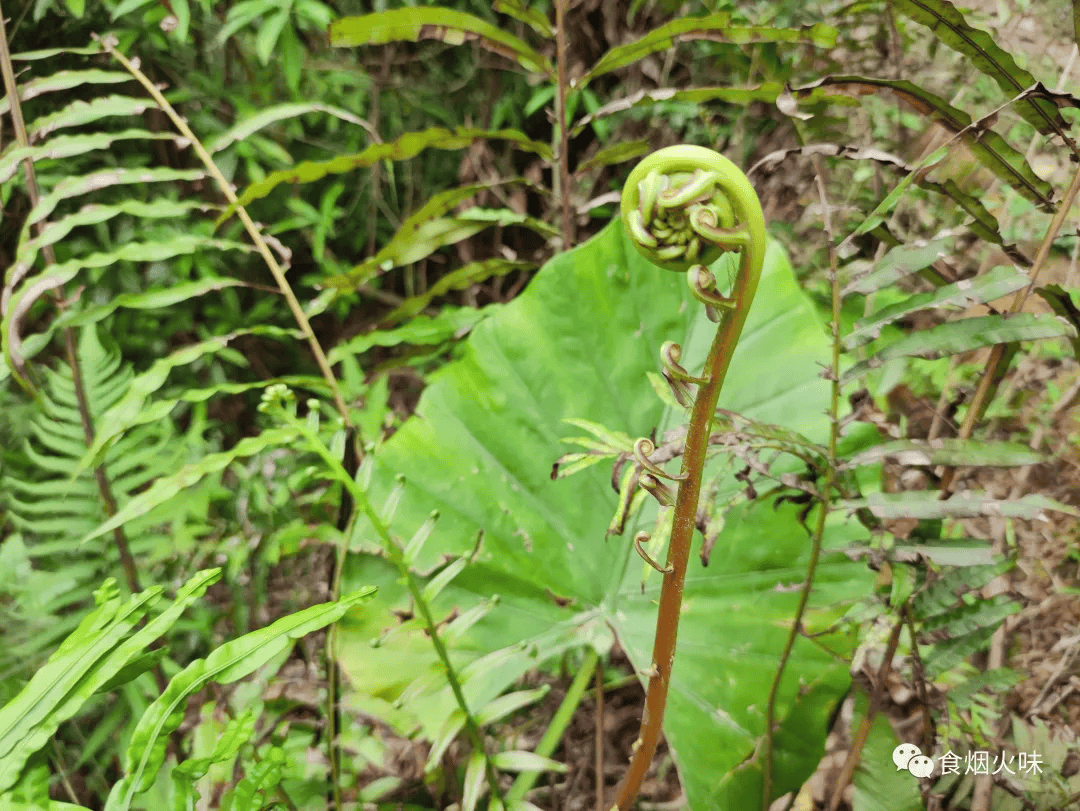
578,343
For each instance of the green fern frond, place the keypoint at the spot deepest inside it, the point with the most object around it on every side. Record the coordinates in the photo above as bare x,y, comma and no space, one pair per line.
56,507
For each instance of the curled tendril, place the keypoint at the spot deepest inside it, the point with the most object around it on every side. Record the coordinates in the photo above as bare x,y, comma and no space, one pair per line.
703,287
676,207
640,540
643,448
670,355
658,490
679,381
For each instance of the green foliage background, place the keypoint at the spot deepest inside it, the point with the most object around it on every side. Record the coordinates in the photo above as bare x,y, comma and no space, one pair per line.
463,273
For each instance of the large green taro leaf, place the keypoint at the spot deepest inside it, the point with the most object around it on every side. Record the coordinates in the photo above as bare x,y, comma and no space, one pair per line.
578,343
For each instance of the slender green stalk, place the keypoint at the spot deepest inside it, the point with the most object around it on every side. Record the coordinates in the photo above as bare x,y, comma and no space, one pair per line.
823,506
557,727
396,556
683,207
108,43
249,225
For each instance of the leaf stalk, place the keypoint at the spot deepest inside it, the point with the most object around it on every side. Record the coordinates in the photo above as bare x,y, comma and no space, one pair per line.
731,198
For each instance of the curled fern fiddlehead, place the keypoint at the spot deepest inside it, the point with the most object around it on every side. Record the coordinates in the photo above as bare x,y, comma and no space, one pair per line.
684,207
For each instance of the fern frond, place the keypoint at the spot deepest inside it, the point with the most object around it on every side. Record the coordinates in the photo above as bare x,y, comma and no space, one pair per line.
61,503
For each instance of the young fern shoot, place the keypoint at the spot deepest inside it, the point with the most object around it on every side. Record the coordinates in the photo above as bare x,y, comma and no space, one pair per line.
683,207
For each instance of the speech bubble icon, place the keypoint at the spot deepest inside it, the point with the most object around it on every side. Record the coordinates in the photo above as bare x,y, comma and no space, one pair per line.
902,754
921,766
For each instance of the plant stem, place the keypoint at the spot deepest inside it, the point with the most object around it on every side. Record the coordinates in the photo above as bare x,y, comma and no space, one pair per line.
397,556
557,727
686,501
249,225
561,127
823,506
993,373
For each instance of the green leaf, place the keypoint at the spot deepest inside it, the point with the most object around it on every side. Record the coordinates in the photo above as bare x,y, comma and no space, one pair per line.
998,680
31,793
458,279
505,217
449,324
965,334
77,185
54,231
128,411
49,53
443,578
88,660
232,661
885,207
269,31
712,27
80,113
243,14
578,344
64,80
1063,304
251,792
416,543
898,263
984,618
67,146
967,618
127,6
425,231
474,781
928,504
984,225
237,732
26,722
292,58
878,784
156,251
954,452
135,668
615,153
271,115
166,487
766,92
153,299
441,742
509,704
993,284
527,762
11,338
530,16
947,24
614,441
943,593
182,11
989,148
406,146
429,22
